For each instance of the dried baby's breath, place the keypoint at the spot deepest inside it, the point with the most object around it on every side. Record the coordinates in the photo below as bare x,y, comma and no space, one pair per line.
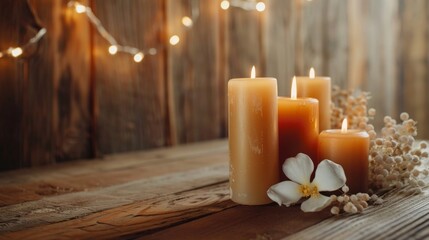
394,159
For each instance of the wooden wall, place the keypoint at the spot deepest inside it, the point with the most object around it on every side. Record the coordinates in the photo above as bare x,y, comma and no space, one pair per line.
68,98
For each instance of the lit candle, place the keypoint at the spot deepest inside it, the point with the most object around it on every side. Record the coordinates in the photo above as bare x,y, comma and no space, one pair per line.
253,138
349,148
298,126
319,88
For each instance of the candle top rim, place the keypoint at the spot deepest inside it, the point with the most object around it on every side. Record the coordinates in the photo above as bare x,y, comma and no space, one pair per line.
314,100
315,77
253,79
337,132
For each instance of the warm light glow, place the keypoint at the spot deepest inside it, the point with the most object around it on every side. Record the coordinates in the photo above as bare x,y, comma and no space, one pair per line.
187,21
16,52
293,88
152,51
174,40
260,6
79,8
344,126
312,74
224,5
253,72
138,57
113,49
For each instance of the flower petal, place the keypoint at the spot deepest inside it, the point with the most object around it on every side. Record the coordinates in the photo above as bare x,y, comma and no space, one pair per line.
299,168
315,203
286,193
329,176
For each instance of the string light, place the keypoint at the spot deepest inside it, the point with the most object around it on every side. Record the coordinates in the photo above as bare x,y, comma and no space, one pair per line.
187,21
114,47
174,40
18,51
224,5
260,6
138,57
243,4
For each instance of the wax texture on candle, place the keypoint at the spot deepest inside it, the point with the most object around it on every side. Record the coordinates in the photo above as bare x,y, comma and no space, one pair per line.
319,88
350,150
253,139
298,127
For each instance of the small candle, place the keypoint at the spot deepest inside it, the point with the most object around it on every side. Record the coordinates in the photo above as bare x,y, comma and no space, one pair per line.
253,138
349,148
298,126
319,88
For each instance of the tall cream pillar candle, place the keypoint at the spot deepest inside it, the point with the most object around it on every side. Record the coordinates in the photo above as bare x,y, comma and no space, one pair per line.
253,139
319,88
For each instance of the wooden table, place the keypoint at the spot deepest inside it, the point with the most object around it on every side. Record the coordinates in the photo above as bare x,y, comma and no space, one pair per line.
176,193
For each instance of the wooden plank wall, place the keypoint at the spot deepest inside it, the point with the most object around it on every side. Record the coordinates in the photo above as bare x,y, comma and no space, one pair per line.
68,98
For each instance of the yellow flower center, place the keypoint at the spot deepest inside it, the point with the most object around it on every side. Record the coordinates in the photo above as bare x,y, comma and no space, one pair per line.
308,190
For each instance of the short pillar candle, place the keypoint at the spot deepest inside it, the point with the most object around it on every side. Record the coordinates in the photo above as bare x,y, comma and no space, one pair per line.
350,149
298,126
320,88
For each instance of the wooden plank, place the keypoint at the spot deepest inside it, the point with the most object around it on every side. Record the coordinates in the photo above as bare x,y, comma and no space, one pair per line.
400,217
137,218
357,65
280,34
413,59
194,70
381,47
336,43
245,222
29,185
49,102
11,84
74,205
311,37
243,43
60,122
130,96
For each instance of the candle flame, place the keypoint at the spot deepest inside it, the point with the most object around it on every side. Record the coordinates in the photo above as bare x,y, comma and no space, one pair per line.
253,72
293,88
312,74
344,126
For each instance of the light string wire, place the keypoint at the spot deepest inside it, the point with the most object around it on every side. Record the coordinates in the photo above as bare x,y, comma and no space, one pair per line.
18,51
138,54
114,46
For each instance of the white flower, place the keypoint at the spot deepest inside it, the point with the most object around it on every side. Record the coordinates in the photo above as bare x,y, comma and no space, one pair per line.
329,177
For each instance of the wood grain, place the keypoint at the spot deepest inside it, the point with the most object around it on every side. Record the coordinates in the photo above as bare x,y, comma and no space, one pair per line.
194,70
400,217
130,96
35,184
11,85
245,222
280,31
413,59
244,43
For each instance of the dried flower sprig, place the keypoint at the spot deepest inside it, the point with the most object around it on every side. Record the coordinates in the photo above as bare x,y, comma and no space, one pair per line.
393,162
353,203
351,104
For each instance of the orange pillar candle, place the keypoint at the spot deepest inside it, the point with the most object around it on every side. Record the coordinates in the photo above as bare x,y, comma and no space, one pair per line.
350,149
253,139
298,126
319,88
